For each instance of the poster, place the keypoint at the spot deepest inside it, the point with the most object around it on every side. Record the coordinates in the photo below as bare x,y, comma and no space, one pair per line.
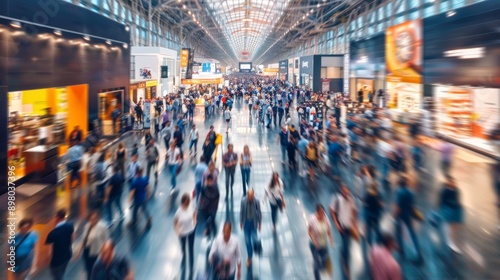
403,52
184,60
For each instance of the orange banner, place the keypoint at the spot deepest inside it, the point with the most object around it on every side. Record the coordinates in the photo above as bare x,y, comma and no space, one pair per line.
403,52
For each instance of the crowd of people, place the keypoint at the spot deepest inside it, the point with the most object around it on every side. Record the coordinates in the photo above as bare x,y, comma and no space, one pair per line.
372,167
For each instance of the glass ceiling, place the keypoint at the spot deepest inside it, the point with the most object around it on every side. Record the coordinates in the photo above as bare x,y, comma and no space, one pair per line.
247,23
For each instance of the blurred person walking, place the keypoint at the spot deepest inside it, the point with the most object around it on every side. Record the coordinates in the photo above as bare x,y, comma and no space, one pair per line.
274,194
185,224
229,161
451,210
139,194
114,194
383,266
174,159
95,235
320,233
208,204
60,238
245,166
250,222
225,255
111,266
25,248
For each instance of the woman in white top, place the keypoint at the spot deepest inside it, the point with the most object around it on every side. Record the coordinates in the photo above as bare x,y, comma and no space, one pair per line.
95,234
185,225
274,193
319,232
174,160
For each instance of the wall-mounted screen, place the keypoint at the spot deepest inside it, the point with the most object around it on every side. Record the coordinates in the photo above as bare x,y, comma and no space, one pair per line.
245,66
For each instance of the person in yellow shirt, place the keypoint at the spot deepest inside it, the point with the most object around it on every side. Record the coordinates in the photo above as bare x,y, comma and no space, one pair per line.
312,156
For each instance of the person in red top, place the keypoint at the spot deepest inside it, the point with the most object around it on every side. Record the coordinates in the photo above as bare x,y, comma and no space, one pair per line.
224,100
383,266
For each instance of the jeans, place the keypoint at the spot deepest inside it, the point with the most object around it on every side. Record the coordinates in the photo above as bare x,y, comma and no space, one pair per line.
187,241
399,238
210,225
345,250
372,224
386,167
250,236
318,260
245,176
445,166
197,189
274,213
58,271
137,205
74,167
335,164
229,177
116,201
173,173
193,143
280,117
89,262
283,153
151,165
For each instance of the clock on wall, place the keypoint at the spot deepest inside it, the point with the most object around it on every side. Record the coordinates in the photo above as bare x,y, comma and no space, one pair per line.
405,47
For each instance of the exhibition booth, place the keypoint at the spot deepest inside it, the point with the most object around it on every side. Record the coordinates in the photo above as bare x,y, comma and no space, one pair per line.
322,73
461,63
155,63
51,82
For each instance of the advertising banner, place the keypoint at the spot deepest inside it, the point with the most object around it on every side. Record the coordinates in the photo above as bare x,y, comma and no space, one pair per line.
189,70
147,113
403,52
184,60
306,65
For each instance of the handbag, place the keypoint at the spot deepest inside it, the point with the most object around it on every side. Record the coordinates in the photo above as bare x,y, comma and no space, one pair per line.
257,247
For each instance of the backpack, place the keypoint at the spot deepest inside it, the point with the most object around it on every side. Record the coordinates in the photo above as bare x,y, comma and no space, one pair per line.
99,171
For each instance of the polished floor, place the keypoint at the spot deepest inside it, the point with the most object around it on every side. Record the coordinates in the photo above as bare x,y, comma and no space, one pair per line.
155,254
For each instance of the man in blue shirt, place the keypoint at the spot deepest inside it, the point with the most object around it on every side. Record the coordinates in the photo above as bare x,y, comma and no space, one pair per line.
74,157
335,153
199,170
139,193
111,266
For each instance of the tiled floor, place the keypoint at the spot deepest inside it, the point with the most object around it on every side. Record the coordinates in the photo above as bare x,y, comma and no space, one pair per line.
156,254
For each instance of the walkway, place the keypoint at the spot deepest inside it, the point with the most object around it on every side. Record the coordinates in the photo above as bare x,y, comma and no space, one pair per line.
155,254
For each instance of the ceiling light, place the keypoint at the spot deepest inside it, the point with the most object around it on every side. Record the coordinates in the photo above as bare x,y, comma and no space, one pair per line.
86,38
317,5
125,46
15,24
312,10
189,12
58,32
450,13
184,7
127,28
108,42
303,17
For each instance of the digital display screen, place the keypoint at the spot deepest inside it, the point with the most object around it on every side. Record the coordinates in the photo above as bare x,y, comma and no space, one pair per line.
245,66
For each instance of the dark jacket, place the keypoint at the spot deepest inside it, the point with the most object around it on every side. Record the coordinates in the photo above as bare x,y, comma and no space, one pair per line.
245,203
209,200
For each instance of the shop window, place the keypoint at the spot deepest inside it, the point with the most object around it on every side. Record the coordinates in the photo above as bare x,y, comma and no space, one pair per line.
458,4
95,2
401,7
380,14
443,6
414,3
105,5
414,15
429,11
388,9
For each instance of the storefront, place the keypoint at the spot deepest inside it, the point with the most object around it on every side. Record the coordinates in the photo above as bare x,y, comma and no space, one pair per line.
110,108
155,63
462,74
142,90
403,57
51,82
322,72
367,67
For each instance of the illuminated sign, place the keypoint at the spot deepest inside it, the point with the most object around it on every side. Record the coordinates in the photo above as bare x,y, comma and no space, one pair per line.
465,53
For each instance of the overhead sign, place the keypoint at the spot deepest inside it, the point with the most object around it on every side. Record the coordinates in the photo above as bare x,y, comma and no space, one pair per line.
283,66
271,70
202,81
